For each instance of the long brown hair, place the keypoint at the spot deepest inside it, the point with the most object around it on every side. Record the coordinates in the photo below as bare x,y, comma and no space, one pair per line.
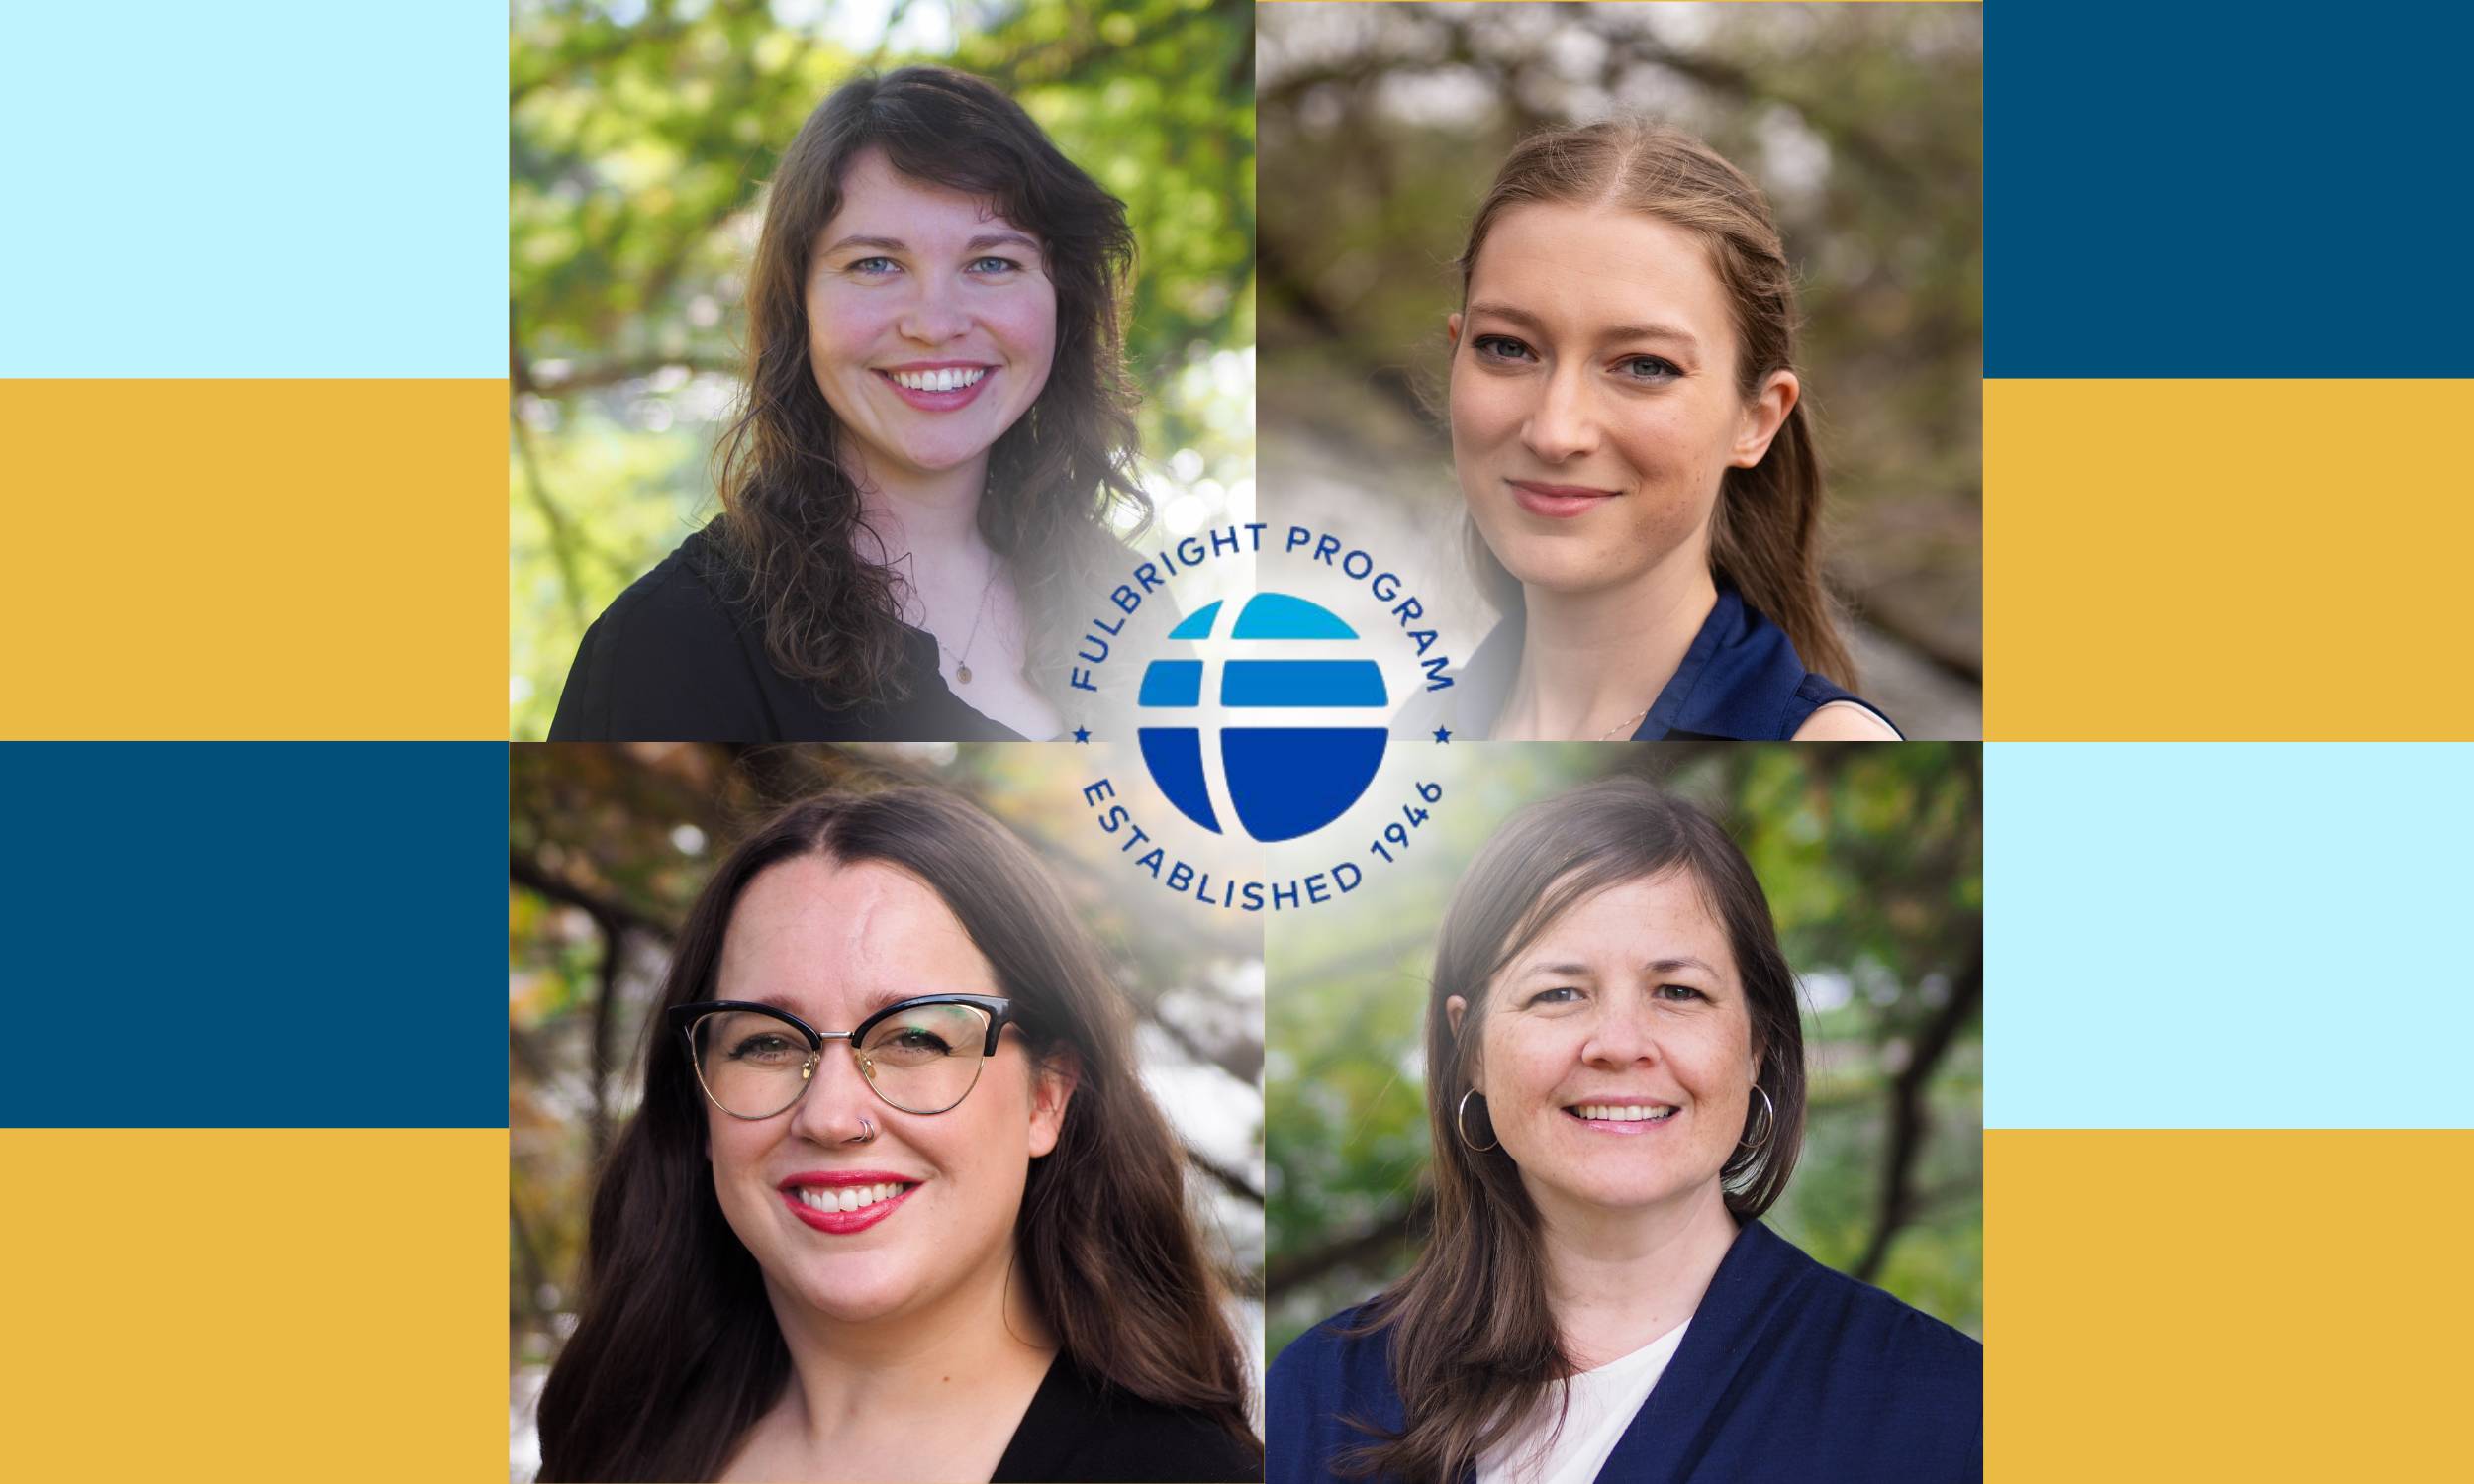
792,523
676,1353
1474,1344
1766,535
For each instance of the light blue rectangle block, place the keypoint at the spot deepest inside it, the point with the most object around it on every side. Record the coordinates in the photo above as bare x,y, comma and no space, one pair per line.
274,188
2229,935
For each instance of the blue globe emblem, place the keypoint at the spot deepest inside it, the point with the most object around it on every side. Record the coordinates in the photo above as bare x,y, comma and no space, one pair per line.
1282,780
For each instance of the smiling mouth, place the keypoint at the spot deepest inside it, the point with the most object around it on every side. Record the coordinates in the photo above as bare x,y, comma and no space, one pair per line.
948,379
1623,1112
849,1197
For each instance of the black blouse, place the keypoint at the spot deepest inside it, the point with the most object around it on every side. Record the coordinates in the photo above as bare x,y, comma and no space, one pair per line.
672,660
1082,1430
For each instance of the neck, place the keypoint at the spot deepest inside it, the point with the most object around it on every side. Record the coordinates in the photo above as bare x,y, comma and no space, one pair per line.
916,1362
1593,662
933,515
1618,1279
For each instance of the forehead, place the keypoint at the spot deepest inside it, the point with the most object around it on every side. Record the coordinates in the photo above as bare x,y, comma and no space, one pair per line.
1633,924
831,940
880,201
1581,268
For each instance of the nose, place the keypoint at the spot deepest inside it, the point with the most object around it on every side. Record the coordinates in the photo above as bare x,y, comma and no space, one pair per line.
934,314
836,1102
1622,1034
1562,425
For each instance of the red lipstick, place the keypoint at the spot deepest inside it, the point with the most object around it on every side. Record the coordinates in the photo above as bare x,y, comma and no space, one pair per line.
843,1223
1557,502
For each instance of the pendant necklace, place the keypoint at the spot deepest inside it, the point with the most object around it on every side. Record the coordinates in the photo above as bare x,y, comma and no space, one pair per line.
962,662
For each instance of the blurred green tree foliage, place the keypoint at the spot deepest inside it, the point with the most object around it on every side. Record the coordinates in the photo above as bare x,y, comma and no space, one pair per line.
1872,859
641,135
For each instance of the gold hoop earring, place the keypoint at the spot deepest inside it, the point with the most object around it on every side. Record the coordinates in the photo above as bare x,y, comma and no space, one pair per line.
1459,1125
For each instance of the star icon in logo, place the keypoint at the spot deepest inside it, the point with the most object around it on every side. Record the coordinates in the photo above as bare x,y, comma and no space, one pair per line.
1443,734
1081,734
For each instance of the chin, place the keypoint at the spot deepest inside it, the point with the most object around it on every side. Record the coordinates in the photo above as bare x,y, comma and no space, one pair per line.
851,1290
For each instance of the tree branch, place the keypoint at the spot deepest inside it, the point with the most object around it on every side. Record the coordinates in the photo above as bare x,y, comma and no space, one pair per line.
1908,1125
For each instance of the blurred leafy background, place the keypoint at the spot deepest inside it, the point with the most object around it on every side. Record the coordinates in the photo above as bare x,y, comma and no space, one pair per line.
1872,859
642,133
1381,126
608,846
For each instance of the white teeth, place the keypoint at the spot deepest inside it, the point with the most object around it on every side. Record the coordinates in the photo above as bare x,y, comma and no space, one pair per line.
951,379
1625,1113
849,1197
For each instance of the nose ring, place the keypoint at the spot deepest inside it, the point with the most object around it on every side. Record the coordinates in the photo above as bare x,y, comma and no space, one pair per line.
866,1134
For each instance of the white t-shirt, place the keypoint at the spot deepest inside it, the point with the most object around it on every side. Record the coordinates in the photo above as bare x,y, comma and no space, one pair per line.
1601,1404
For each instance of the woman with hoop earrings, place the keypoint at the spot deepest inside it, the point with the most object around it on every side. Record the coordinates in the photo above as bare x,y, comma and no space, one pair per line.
1616,1094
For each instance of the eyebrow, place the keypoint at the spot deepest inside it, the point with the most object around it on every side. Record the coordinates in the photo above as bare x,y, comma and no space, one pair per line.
868,1006
1536,326
978,243
1655,965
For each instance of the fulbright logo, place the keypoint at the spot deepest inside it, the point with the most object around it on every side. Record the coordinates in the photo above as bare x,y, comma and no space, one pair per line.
1264,717
1282,780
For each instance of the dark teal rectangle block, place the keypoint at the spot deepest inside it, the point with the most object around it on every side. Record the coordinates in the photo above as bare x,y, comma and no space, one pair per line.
2207,190
254,934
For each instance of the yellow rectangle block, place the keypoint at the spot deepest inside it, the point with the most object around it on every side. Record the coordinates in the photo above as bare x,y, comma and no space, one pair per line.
2234,561
255,560
261,1304
2206,1304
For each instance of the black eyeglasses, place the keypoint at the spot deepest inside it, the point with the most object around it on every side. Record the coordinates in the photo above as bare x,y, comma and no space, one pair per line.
921,1054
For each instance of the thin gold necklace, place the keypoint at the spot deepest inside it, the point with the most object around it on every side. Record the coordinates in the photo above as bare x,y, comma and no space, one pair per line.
962,662
1622,730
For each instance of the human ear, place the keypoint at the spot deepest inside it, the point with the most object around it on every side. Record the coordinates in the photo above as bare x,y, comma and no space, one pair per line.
1052,1086
1452,329
1456,1009
1764,416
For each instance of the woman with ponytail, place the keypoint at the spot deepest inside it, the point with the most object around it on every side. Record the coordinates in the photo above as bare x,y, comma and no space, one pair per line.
1628,430
895,1205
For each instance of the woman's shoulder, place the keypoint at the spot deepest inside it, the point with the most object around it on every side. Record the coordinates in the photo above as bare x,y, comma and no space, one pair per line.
1081,1428
1350,1342
1329,1393
667,660
1854,1323
1742,679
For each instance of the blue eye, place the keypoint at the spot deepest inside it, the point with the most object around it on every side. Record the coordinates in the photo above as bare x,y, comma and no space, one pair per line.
1501,348
995,265
1648,368
1560,995
1678,993
873,267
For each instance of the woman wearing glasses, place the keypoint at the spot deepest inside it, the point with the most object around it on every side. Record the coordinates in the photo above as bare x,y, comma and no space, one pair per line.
895,1205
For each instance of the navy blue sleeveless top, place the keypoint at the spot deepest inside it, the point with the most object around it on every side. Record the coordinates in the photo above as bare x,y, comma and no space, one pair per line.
1741,681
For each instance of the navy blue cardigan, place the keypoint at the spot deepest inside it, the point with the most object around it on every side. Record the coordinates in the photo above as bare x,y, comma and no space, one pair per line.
1790,1372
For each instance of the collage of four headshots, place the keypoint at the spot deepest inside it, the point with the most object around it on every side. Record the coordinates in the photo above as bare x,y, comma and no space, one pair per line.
1246,743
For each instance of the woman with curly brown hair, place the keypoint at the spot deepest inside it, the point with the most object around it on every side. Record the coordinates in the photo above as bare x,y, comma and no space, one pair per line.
937,430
